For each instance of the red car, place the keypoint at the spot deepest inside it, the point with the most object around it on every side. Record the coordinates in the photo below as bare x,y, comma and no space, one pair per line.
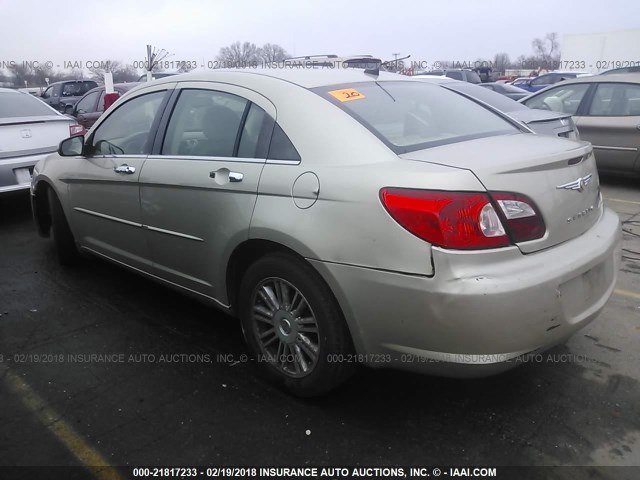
91,106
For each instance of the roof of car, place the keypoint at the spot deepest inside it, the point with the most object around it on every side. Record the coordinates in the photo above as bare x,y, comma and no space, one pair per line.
9,90
73,81
304,77
120,86
617,77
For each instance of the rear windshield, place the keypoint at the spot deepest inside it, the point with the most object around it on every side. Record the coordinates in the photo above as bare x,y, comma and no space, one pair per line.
410,116
496,100
22,105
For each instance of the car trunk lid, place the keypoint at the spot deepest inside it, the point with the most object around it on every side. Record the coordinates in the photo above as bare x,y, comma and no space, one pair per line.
559,175
21,136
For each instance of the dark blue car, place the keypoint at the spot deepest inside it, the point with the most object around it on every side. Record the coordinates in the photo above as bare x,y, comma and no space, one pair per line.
546,79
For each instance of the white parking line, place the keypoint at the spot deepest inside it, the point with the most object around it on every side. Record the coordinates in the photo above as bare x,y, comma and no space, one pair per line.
619,200
627,293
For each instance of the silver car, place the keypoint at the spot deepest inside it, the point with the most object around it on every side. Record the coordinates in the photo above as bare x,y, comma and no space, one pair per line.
344,217
29,131
540,121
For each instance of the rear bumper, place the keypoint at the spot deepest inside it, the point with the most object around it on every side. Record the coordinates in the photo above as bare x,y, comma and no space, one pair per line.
482,312
15,172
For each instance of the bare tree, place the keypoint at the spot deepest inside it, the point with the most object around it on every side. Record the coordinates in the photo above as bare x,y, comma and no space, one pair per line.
239,55
547,49
502,62
22,73
110,66
272,53
185,67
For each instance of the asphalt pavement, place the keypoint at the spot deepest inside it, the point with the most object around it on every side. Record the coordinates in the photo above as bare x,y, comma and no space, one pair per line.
103,367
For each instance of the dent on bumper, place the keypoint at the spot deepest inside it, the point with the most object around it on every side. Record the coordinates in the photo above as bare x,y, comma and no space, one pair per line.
482,312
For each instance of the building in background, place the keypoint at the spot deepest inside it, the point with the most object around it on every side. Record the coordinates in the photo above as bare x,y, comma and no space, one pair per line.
597,52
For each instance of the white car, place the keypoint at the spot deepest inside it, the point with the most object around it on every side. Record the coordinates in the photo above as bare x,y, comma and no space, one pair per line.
29,131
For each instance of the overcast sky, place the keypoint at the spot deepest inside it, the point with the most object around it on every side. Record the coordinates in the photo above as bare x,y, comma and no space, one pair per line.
456,30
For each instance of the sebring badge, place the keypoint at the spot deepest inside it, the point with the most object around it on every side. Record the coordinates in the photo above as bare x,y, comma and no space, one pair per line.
578,184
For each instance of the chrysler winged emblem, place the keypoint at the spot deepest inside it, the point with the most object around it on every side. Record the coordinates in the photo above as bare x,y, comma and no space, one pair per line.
578,184
26,133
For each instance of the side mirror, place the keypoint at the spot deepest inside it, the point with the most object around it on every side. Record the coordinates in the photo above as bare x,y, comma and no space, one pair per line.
71,147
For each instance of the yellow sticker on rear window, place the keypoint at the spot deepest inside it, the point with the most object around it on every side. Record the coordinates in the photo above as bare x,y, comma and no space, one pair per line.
346,94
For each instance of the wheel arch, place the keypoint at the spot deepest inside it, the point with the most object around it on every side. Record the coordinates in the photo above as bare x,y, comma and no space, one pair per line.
247,252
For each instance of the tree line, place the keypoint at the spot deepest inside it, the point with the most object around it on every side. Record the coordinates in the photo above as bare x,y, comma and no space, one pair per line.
546,53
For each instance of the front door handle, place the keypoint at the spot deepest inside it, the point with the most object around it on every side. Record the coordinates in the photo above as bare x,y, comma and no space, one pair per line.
124,168
235,176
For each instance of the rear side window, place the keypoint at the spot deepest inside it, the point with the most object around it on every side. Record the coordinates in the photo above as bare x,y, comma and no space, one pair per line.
204,123
615,100
410,116
281,147
455,74
22,105
254,139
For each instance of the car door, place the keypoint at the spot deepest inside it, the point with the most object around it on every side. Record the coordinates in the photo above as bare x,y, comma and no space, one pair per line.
103,185
51,95
199,188
611,122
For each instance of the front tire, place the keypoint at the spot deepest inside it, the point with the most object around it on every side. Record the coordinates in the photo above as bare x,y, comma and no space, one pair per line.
62,235
293,326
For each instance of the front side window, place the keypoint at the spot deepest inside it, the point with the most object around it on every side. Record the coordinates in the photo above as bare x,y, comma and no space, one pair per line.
562,99
204,123
615,100
410,116
88,103
48,93
542,80
127,130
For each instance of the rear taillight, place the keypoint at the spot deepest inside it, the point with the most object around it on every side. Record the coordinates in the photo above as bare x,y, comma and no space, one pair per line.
464,220
76,130
521,215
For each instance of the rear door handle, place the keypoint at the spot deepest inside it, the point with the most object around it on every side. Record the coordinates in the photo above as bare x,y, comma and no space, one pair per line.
223,175
124,168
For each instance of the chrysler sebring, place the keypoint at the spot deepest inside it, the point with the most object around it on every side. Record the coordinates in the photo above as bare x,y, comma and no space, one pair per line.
344,216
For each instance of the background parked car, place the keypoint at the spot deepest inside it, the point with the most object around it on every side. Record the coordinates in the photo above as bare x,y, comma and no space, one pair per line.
606,109
63,95
155,76
544,123
514,93
91,105
29,131
542,81
633,69
461,74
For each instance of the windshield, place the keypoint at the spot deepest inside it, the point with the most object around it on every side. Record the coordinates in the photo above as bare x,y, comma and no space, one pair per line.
410,116
496,100
22,105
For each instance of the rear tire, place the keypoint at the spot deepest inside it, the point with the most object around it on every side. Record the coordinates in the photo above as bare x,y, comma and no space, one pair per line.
293,326
62,236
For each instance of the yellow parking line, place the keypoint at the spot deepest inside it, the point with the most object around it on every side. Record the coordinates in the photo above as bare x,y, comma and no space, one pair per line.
621,201
627,293
89,457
